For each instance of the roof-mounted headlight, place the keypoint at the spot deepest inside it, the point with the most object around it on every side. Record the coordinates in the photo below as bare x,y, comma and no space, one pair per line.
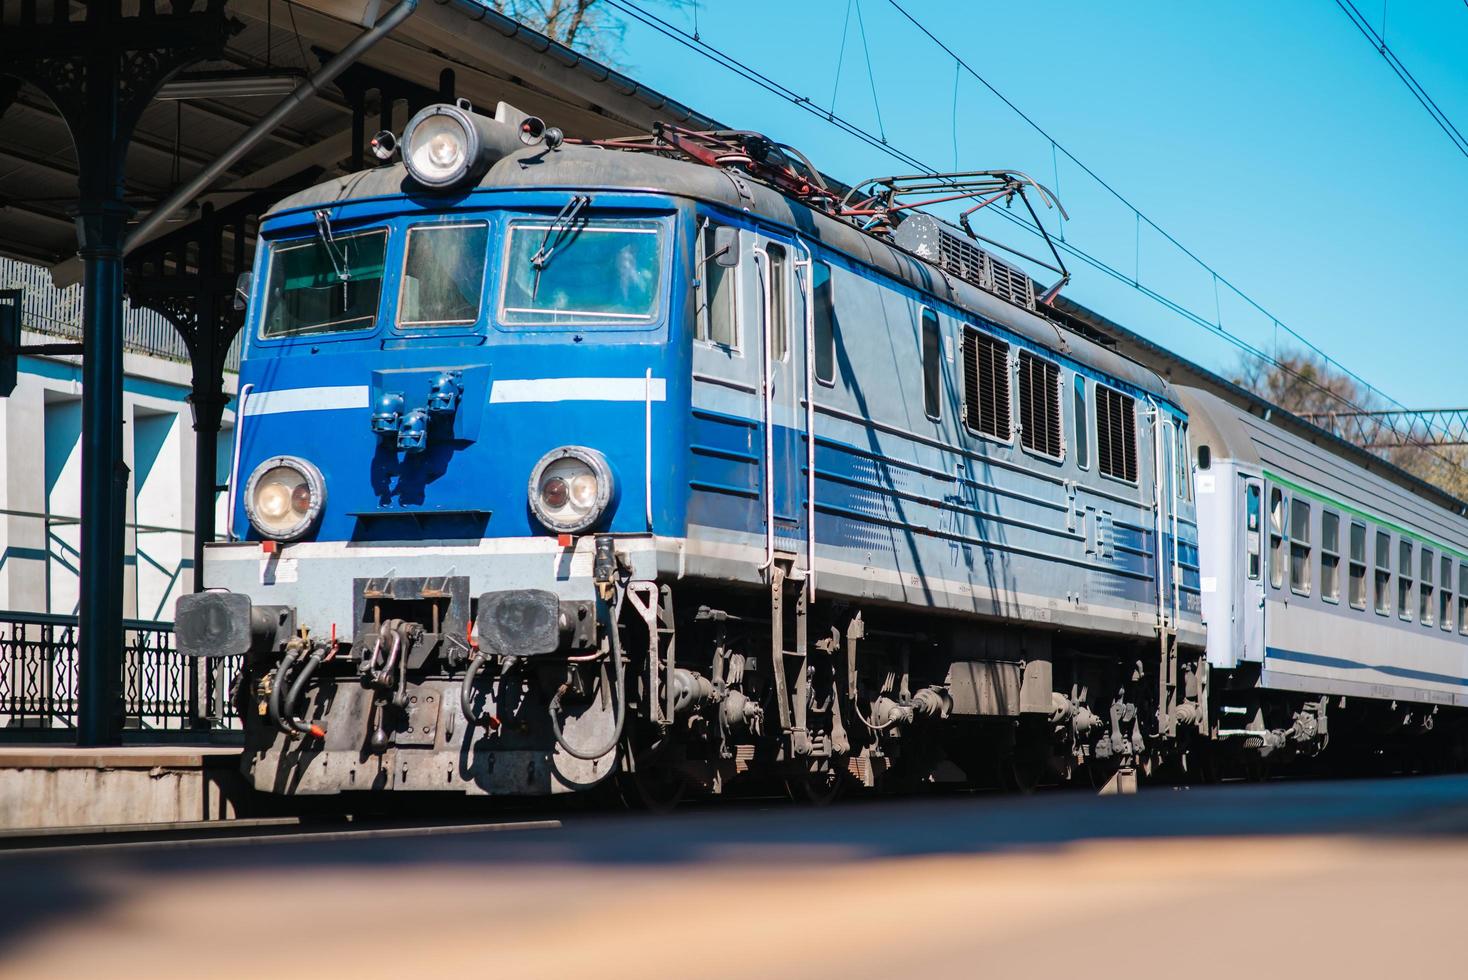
450,145
284,497
570,488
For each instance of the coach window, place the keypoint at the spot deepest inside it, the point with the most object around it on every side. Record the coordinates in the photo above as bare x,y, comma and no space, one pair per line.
1357,594
443,274
1299,547
716,285
1445,594
1383,573
1463,599
1081,423
779,303
1276,537
1251,531
825,324
1330,556
1404,579
1424,598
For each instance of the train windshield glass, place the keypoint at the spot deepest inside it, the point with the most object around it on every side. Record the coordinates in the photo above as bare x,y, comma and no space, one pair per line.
443,274
324,284
591,272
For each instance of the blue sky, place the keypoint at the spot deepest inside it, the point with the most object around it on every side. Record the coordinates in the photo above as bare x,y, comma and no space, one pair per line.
1268,137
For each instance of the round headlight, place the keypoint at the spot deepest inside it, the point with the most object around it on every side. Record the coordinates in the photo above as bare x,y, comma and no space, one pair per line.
570,488
439,143
284,497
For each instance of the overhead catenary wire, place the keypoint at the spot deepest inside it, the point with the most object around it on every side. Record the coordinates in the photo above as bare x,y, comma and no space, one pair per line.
1141,216
775,87
1378,41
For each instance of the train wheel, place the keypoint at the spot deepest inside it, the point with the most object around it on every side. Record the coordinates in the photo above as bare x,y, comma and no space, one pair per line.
1029,763
652,788
818,787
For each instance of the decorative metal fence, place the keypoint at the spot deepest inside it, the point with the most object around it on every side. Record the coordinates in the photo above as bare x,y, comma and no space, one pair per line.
162,689
58,312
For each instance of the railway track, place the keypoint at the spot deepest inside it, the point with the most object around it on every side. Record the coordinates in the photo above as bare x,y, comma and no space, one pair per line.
103,838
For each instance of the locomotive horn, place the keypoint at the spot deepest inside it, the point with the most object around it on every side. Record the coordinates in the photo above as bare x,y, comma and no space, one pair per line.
532,130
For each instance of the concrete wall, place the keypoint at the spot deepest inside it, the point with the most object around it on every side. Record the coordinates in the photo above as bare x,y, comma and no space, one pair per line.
40,487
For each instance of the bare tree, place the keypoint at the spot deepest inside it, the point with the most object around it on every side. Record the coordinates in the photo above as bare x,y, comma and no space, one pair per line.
1305,384
582,24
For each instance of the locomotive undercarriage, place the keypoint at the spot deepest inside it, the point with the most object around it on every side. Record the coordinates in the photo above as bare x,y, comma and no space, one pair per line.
710,690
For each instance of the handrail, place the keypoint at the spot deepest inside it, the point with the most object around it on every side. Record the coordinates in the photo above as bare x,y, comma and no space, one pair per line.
234,462
807,284
761,262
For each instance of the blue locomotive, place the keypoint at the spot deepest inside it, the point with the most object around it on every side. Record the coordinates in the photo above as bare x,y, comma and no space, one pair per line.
658,460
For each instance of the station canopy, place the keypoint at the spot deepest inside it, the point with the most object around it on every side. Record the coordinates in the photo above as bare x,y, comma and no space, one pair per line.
460,48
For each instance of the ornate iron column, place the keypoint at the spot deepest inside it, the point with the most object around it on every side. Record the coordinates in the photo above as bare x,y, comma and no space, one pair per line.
101,72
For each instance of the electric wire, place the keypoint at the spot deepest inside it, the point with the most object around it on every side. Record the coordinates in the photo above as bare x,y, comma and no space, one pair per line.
1140,215
1406,77
708,51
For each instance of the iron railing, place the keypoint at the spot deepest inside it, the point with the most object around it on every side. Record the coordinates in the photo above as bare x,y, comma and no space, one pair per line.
58,313
162,689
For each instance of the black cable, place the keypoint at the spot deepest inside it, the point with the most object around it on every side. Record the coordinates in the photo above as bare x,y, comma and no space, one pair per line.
1405,76
1141,216
776,88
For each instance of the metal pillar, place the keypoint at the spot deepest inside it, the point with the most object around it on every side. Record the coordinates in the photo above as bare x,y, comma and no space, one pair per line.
101,72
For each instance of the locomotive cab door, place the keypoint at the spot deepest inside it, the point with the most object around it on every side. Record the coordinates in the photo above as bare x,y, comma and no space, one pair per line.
782,274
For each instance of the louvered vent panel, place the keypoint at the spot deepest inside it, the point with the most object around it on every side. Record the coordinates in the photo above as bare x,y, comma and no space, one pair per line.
948,248
986,384
1012,284
1116,434
1039,405
963,260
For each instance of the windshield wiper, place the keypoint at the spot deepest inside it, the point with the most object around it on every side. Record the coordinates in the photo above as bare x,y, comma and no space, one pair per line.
559,228
339,264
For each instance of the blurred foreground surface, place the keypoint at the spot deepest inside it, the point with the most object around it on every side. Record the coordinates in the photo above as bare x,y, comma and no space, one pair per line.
1351,879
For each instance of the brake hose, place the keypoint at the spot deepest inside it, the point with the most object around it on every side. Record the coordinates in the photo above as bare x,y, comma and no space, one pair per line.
466,693
282,677
298,687
619,694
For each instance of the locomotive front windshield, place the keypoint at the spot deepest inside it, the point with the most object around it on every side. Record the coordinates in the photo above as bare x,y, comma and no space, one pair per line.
443,274
323,285
594,272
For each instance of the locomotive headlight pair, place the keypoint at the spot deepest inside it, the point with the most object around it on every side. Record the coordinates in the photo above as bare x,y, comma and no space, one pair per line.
284,497
570,488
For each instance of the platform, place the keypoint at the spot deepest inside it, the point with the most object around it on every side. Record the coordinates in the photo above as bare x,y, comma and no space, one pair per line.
64,786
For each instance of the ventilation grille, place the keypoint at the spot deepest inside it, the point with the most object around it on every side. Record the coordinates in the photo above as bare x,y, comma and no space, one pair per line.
947,247
1116,434
1039,405
986,384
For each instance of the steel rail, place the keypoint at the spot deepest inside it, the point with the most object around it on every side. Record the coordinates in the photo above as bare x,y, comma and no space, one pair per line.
104,838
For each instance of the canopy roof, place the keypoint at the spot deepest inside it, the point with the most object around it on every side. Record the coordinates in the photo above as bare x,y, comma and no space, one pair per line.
491,58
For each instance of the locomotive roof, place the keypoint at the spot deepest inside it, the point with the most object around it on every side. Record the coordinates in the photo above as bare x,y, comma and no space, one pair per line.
577,167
